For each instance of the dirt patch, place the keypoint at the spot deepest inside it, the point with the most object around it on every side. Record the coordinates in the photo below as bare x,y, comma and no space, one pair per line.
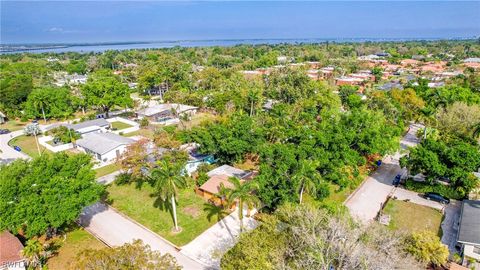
192,211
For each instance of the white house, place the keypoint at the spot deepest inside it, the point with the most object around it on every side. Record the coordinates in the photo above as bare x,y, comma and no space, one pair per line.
105,147
164,112
89,126
3,118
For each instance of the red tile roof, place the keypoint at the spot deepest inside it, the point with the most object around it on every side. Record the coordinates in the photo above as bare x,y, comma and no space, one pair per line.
213,184
10,248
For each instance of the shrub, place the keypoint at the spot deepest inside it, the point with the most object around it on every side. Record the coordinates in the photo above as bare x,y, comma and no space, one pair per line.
445,191
202,178
426,247
123,178
144,122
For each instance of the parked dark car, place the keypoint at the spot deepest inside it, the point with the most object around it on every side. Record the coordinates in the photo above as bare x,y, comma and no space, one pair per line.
397,179
436,197
4,131
17,148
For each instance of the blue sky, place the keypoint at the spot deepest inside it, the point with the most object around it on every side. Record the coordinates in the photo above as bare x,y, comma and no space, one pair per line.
96,21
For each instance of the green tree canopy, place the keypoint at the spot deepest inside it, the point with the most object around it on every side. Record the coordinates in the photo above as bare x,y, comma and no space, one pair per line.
104,91
129,256
48,192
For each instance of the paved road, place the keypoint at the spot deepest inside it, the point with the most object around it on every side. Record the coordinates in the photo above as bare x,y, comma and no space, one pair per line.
115,229
218,239
7,152
109,178
367,200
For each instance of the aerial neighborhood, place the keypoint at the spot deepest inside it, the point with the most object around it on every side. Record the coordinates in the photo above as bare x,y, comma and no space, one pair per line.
291,156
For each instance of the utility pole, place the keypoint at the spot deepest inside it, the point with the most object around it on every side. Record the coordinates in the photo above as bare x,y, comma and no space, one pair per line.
36,140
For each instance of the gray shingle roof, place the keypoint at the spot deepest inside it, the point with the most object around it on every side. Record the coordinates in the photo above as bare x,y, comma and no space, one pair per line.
101,143
229,171
96,122
469,231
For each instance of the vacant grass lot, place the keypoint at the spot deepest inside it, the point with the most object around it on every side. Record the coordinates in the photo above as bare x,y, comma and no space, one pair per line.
76,241
28,145
148,133
13,125
412,217
140,205
107,170
119,125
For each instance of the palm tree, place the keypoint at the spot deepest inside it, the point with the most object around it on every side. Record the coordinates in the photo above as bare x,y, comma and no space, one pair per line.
33,252
168,179
243,194
41,102
308,177
253,97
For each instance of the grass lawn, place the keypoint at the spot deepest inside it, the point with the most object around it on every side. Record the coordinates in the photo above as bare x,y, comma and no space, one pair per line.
107,169
412,217
76,241
142,207
117,125
28,145
148,133
13,125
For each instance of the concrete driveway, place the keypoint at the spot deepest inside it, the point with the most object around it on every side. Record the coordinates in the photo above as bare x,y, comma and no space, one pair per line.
109,178
450,224
367,200
414,197
218,239
115,229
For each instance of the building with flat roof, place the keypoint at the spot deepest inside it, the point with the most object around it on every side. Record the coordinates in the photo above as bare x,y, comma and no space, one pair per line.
164,112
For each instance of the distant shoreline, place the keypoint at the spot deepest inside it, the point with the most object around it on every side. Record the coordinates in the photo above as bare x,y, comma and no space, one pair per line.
103,46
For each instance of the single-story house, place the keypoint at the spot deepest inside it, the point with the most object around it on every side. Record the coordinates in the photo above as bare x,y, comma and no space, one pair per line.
390,85
165,112
229,171
268,105
218,177
472,60
11,252
3,118
104,147
89,126
469,230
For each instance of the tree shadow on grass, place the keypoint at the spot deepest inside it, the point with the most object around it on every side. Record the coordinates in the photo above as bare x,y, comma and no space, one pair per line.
163,205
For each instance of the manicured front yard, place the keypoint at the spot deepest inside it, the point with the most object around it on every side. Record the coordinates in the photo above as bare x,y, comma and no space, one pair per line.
107,170
28,145
142,206
75,241
119,125
412,217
